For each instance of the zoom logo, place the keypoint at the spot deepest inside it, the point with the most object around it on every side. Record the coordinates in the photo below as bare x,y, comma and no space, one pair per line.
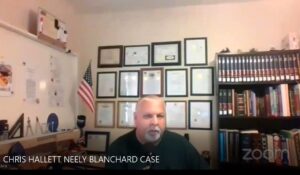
257,154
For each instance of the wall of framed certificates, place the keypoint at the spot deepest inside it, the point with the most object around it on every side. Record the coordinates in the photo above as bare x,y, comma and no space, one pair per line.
175,70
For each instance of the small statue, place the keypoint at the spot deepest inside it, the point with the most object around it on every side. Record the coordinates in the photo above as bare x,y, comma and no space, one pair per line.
29,127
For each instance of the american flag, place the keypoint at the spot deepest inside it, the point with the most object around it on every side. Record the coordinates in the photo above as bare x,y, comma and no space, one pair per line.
85,90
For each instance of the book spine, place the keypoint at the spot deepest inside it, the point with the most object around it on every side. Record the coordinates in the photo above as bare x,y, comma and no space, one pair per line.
220,69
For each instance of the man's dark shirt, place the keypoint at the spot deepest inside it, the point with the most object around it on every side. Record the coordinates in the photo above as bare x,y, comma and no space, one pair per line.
173,151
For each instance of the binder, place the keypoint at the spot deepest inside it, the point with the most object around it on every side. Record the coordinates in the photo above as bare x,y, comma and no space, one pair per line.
220,69
236,69
232,70
240,69
228,76
259,70
272,71
255,72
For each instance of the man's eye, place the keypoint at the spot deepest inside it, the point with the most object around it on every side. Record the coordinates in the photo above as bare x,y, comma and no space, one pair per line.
147,116
160,116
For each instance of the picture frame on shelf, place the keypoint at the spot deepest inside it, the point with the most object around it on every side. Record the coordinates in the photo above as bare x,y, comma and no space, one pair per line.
166,53
110,56
96,142
200,114
126,111
129,83
51,29
176,112
106,84
176,82
136,55
152,81
202,81
195,51
105,114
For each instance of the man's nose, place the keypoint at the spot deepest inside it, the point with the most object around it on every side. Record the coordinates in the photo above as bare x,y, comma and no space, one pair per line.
154,120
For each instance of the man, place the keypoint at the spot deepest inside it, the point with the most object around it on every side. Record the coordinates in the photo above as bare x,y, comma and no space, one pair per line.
150,145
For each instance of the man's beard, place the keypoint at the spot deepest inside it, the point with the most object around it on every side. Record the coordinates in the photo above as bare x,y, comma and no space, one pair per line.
153,134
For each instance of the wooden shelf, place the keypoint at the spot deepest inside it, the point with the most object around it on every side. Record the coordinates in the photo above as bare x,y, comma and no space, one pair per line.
265,83
262,53
254,64
262,124
32,37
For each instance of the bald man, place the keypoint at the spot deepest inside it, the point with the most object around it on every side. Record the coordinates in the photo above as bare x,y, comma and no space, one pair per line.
150,145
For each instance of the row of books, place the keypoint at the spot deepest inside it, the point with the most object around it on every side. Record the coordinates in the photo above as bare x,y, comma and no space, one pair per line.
274,101
259,68
250,146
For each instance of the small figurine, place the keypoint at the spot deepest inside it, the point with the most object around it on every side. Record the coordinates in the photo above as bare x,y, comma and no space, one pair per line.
29,127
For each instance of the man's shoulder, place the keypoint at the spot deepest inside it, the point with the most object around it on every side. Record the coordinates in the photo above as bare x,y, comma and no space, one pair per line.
175,137
124,139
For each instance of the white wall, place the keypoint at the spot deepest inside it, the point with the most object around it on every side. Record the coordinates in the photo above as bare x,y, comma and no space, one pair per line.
259,24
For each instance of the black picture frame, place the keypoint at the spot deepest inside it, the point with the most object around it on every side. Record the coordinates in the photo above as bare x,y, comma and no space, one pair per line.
93,139
101,121
204,80
164,56
136,52
176,84
180,120
110,56
126,121
193,47
193,122
137,94
110,90
150,72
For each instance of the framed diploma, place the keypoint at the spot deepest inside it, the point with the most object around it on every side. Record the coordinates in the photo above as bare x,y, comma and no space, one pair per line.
176,114
96,142
126,111
195,51
202,81
200,114
176,83
105,114
136,55
152,81
166,53
110,56
128,83
106,84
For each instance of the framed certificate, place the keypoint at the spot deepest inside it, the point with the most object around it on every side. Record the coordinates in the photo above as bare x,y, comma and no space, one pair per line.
195,51
105,114
202,81
96,142
166,53
110,56
136,55
126,111
176,83
200,114
152,81
176,114
106,84
128,83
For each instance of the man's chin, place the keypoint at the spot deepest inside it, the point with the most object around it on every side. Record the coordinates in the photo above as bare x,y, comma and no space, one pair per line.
153,139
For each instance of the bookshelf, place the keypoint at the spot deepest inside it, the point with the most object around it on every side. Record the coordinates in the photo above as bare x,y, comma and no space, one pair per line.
259,109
